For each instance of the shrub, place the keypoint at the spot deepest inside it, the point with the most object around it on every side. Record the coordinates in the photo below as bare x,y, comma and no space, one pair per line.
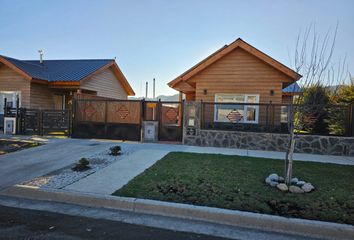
81,165
313,115
115,151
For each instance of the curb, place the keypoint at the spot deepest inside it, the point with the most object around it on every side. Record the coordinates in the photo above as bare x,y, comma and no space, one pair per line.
300,227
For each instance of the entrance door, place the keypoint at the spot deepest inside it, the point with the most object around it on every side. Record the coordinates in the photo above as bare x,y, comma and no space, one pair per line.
170,121
59,101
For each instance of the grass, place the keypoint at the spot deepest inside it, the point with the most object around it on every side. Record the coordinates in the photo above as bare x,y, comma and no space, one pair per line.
7,146
237,182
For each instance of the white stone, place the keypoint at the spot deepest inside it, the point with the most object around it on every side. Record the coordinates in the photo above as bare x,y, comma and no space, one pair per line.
307,187
282,187
295,189
300,183
273,183
294,180
273,177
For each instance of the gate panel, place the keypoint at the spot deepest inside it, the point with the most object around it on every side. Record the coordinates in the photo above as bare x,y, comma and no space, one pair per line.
170,125
44,122
124,112
30,121
112,119
56,122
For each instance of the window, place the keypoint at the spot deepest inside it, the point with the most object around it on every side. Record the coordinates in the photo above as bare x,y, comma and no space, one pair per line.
11,99
236,113
284,114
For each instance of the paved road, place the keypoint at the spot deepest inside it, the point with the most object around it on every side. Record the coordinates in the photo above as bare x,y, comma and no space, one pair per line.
18,223
26,164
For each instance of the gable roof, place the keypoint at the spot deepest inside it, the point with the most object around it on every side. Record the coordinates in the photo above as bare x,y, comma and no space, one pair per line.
238,43
64,71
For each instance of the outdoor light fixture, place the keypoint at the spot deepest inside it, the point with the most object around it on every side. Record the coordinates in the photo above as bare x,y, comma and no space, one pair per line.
205,92
272,92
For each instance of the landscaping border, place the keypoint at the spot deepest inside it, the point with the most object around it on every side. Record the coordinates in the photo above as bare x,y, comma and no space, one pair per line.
300,227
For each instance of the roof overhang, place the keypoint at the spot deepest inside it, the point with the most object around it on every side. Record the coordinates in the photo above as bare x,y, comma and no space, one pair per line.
15,68
239,43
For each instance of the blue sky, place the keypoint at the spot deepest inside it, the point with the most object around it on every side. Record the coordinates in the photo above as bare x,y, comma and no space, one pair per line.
162,38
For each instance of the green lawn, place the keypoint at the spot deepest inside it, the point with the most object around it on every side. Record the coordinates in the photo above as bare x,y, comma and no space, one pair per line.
236,182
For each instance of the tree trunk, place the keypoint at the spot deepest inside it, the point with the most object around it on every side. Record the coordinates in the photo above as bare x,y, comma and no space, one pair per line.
288,169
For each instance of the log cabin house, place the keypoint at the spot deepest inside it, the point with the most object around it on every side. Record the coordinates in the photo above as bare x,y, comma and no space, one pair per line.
238,73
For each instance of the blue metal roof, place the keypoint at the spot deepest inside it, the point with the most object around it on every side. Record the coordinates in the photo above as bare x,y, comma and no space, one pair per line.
292,88
59,70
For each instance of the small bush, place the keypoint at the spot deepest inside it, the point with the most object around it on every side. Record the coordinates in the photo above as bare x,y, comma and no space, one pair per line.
115,151
81,165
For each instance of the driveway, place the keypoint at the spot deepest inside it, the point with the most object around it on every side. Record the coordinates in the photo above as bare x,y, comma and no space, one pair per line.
27,164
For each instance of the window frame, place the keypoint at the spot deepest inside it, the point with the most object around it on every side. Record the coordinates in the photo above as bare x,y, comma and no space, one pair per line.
245,98
14,94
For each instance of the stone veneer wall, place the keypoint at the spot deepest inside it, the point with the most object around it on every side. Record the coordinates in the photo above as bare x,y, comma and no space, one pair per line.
314,144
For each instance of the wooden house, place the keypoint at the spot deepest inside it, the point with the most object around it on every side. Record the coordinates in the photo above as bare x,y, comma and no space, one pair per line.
239,73
51,84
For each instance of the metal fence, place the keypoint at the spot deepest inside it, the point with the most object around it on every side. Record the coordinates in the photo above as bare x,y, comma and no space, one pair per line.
40,121
274,118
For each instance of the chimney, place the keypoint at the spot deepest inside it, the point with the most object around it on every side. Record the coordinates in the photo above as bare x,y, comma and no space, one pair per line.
40,56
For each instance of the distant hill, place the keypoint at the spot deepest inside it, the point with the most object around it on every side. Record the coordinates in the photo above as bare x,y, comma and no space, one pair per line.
170,98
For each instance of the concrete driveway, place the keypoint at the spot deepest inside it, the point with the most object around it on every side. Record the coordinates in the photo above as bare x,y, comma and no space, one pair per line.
27,164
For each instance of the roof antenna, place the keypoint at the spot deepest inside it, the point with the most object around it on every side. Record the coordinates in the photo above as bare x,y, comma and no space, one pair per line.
40,56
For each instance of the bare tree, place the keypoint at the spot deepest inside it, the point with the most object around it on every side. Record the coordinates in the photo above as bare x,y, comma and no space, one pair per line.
313,60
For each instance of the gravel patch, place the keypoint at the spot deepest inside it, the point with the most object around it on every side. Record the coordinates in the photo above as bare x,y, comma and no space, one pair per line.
66,176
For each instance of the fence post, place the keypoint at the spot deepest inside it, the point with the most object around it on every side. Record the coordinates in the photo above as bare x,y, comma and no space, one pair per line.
105,116
142,113
5,107
202,114
39,122
17,104
351,120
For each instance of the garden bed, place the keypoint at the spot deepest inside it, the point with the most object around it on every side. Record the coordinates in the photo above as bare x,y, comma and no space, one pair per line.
7,145
237,182
63,177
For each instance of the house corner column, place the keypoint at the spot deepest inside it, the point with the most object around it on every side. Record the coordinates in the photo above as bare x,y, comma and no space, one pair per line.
192,123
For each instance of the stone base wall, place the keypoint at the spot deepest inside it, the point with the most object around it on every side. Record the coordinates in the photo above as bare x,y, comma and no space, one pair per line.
313,144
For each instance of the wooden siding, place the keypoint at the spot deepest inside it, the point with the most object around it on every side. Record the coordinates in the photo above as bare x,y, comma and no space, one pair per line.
41,96
105,84
241,73
13,81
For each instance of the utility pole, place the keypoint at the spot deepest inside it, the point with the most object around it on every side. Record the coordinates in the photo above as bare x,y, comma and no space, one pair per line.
146,90
153,88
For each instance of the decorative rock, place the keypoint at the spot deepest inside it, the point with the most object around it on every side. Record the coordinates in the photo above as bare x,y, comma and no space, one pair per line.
282,187
273,183
294,180
295,189
273,177
281,179
267,180
307,187
300,183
